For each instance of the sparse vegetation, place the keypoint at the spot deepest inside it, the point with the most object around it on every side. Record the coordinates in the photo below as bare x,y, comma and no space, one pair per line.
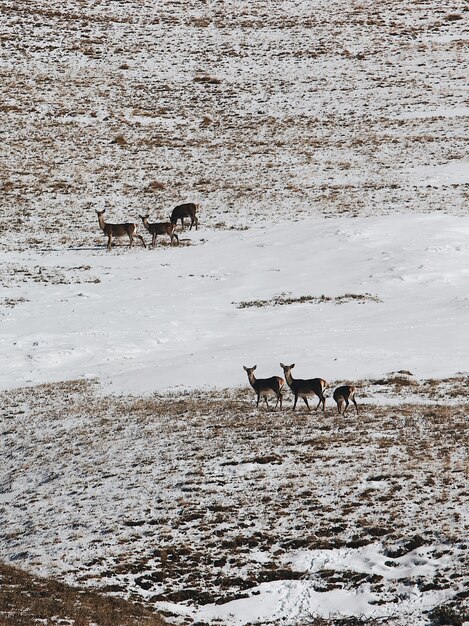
284,299
155,185
210,80
120,140
402,471
268,113
26,600
277,160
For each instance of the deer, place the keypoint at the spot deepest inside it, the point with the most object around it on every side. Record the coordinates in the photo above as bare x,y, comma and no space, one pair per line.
266,387
305,388
342,395
185,210
118,230
159,228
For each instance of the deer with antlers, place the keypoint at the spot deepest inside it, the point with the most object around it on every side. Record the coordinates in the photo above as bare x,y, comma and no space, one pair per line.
118,230
305,388
343,395
159,228
266,387
185,210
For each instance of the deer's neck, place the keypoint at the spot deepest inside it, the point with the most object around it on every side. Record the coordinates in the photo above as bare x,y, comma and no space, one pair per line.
289,379
252,380
102,224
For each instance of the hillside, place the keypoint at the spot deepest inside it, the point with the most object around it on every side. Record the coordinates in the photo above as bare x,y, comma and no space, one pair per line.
262,113
326,143
215,512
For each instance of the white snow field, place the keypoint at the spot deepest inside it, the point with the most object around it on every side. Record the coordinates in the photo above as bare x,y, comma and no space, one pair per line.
170,318
327,145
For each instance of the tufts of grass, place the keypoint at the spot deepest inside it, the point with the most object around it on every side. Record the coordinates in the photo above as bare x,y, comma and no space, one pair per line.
206,121
155,185
208,80
283,299
197,442
12,302
120,140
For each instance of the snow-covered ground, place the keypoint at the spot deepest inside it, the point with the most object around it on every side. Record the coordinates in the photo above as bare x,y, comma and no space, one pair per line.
170,318
327,145
212,511
157,497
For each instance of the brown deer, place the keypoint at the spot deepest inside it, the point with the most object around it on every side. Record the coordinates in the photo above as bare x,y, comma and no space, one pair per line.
118,230
342,395
305,388
159,228
185,210
265,387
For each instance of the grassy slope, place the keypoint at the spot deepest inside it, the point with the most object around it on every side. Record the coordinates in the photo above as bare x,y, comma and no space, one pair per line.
263,112
26,600
166,497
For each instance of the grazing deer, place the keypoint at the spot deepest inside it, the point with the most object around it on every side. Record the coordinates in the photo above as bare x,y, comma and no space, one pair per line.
305,388
118,230
159,228
342,395
265,387
185,210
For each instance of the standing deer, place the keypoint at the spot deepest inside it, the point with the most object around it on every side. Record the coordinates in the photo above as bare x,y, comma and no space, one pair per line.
342,395
305,388
265,387
185,210
159,228
118,230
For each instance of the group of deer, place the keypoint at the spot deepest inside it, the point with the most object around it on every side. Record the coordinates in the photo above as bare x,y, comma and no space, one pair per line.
268,387
129,229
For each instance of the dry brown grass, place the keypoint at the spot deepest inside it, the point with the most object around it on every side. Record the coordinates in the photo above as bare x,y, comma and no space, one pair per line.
26,599
120,140
155,185
208,80
274,153
284,299
218,478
